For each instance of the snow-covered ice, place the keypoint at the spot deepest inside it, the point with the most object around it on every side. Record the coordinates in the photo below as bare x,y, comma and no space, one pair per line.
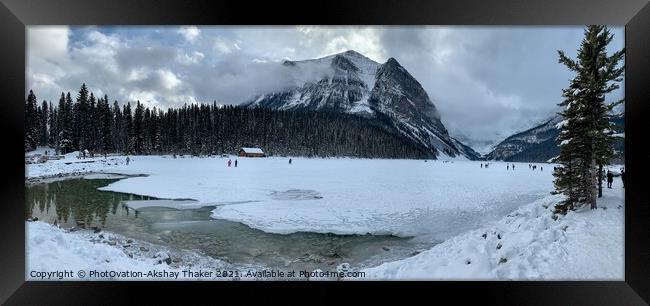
341,196
452,202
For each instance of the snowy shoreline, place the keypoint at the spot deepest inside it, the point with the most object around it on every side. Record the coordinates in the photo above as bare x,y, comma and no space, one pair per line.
455,203
527,244
106,256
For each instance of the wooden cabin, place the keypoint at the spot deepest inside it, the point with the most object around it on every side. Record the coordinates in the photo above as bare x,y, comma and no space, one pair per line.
251,152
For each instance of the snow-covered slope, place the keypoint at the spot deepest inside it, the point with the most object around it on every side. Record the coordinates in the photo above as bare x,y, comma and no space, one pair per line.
533,145
527,244
538,143
352,83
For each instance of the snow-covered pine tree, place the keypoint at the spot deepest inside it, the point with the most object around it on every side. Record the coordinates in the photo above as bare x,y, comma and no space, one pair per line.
31,122
43,128
53,124
66,124
585,140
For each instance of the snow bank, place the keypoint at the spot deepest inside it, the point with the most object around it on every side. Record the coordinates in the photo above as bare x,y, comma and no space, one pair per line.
527,244
50,249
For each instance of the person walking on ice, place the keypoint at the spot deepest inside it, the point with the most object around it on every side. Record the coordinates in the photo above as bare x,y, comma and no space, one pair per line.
513,167
229,162
508,167
235,163
127,160
610,179
290,161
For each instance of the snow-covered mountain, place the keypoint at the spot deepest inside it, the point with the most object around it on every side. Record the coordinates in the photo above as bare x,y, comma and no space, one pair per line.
533,145
538,143
352,83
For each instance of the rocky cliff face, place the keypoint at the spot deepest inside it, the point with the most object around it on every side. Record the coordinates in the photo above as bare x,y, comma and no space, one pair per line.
352,83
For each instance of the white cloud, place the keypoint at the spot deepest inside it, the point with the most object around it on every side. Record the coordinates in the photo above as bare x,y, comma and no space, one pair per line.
190,33
486,81
188,59
167,78
221,46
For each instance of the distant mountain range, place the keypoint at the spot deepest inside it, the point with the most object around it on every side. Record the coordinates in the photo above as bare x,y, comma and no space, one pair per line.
355,84
538,143
351,83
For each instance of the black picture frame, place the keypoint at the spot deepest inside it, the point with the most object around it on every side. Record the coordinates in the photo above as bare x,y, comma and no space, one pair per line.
15,15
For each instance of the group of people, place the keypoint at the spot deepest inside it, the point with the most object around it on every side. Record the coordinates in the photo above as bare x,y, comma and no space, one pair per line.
230,162
508,166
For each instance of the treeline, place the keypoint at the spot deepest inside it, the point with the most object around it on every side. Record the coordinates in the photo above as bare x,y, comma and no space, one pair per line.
94,124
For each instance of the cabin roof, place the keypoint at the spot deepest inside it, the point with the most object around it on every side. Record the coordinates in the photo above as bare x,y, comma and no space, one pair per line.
253,150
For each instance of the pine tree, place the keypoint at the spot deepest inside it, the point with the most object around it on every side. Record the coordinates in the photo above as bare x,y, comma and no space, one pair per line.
54,128
31,122
585,140
106,121
66,124
43,126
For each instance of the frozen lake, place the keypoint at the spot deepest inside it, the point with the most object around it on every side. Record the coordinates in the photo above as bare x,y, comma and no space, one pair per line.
432,199
311,214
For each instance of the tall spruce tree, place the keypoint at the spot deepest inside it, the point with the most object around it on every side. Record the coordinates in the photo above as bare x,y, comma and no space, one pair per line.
54,128
43,126
586,137
66,124
31,122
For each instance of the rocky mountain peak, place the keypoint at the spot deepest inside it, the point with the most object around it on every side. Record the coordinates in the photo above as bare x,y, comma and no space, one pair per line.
341,62
359,85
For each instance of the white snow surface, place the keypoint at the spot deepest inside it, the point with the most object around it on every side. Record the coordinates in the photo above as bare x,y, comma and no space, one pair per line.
451,202
342,196
527,244
51,249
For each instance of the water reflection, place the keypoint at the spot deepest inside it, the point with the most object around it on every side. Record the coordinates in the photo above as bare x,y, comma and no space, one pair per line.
77,202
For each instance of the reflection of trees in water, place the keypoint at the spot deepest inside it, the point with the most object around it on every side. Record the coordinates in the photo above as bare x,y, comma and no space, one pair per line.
77,200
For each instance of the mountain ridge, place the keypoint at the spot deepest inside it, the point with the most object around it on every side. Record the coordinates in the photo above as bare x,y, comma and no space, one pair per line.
537,144
355,84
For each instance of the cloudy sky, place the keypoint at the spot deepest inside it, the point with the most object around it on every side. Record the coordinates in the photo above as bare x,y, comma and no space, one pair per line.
487,82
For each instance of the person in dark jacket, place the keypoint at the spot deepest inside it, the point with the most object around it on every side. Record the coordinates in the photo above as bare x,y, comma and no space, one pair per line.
610,179
235,163
290,161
